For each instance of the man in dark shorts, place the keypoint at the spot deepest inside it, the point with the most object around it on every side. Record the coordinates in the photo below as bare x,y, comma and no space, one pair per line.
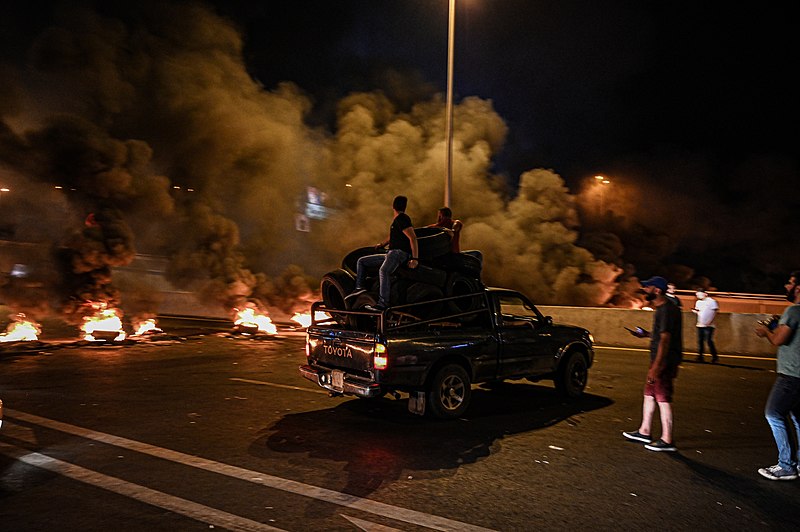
402,244
666,354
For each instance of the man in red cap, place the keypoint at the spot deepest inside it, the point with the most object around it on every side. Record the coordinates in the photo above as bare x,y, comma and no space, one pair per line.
666,354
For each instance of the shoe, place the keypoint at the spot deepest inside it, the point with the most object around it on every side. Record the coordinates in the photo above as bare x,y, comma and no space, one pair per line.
661,445
375,308
699,359
776,472
637,436
714,360
355,293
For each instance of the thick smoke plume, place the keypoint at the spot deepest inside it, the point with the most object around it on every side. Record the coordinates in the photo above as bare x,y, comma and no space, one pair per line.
160,142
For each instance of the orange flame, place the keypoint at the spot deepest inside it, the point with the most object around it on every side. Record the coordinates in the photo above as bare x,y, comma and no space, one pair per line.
105,320
304,318
21,329
248,317
146,326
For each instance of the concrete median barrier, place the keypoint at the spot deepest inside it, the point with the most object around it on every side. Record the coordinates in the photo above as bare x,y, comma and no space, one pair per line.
734,334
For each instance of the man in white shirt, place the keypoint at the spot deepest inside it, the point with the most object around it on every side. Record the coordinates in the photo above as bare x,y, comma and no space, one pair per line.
706,308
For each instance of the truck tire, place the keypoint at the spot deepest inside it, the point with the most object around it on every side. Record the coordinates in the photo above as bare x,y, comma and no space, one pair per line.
432,242
459,285
420,292
449,392
334,286
468,264
572,375
350,261
464,263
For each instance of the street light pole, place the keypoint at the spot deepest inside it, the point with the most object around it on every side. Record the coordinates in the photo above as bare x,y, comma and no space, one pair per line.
448,123
602,181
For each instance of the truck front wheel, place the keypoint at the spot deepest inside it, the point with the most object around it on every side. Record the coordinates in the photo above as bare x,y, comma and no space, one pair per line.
450,392
573,373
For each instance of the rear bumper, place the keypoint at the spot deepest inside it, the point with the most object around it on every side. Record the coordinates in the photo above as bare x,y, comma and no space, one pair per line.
351,384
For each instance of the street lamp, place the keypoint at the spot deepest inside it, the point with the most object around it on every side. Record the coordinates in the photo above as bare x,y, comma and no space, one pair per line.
448,121
3,190
602,181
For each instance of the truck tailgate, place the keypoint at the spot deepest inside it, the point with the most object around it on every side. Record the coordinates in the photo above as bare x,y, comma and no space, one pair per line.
341,361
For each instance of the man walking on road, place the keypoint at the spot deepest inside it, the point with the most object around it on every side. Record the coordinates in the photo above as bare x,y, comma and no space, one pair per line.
706,308
783,402
666,353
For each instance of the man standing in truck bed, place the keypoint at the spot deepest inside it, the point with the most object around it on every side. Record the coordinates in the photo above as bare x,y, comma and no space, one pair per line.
402,244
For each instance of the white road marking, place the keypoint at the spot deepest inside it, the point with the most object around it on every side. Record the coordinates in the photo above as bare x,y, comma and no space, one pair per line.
256,477
190,509
284,386
369,526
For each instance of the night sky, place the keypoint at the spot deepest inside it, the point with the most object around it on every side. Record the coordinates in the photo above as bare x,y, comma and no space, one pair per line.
687,108
691,101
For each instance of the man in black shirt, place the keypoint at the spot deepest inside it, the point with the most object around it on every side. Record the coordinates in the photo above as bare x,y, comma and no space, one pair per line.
666,354
402,244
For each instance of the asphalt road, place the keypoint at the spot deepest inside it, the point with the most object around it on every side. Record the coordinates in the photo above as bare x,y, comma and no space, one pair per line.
210,431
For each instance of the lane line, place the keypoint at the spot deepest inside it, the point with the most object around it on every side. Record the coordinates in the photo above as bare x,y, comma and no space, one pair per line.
256,477
275,385
369,526
193,510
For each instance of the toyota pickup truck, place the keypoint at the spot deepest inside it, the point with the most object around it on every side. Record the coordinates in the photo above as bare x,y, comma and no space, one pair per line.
487,336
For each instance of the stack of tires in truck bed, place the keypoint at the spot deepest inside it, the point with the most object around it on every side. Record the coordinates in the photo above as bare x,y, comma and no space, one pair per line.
440,274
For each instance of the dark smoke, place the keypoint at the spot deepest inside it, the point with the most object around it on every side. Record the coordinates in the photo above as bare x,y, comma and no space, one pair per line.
147,118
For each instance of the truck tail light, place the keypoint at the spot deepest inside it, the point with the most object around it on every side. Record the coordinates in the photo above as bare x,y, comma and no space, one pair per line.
379,360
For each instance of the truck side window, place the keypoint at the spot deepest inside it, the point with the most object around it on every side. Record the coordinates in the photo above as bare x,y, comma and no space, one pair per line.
517,312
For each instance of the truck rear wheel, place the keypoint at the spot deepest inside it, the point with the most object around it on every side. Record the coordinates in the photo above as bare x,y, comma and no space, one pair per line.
573,373
449,393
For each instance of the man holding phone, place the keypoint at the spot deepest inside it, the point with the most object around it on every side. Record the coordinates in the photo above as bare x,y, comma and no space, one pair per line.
666,354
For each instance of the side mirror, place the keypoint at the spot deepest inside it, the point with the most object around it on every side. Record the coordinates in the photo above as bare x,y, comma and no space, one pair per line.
548,320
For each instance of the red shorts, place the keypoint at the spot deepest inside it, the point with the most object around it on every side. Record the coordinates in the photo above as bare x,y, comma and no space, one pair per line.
661,389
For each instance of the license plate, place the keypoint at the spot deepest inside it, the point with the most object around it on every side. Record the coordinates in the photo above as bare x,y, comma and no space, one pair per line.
337,380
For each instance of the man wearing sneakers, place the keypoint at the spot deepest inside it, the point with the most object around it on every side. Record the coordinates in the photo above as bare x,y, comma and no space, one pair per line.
784,398
402,244
666,353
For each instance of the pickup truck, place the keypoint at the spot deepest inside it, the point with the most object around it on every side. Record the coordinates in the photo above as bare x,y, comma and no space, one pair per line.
495,334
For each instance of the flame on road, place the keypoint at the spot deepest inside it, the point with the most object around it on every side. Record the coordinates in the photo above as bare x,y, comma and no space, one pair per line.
147,326
250,318
304,318
105,320
21,329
